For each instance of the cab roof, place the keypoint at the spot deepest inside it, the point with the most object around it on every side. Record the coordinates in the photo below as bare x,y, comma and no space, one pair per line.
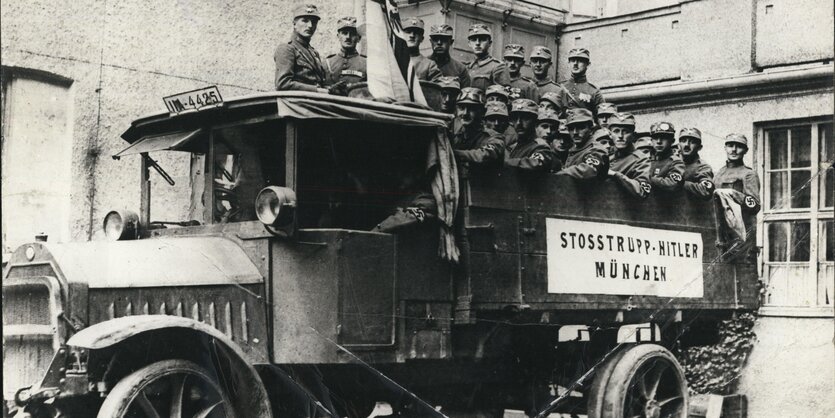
285,104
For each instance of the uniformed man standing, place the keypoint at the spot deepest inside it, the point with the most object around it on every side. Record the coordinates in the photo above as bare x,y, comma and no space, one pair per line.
441,38
739,183
541,60
471,142
347,65
667,169
424,68
587,160
520,87
535,127
628,167
449,93
484,69
577,91
698,176
297,64
604,111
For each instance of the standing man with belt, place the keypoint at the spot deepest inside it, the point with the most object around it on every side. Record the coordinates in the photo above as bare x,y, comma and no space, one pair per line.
577,91
541,60
485,70
738,183
424,68
520,86
297,64
441,39
348,64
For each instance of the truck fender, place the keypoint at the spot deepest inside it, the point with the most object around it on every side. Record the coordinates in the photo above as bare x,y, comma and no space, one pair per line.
110,333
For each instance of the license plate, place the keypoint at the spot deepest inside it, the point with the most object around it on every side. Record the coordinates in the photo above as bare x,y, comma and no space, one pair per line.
192,101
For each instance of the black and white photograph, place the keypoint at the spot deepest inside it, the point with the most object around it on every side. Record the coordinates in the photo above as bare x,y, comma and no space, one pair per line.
418,208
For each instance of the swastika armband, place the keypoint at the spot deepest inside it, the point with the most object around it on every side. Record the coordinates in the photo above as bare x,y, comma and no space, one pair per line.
646,187
707,184
592,161
538,156
750,201
675,176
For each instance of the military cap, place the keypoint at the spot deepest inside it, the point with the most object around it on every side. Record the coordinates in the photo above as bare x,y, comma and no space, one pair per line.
662,128
309,10
497,89
643,141
737,138
524,106
440,30
449,82
564,127
471,95
346,22
413,22
540,51
514,50
601,133
622,119
552,97
477,29
495,109
579,53
578,115
548,116
607,108
690,133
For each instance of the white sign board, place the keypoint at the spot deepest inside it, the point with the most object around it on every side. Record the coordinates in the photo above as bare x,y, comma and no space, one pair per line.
612,259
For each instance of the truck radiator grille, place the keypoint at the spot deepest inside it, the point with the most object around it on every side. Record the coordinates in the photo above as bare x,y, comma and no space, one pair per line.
30,330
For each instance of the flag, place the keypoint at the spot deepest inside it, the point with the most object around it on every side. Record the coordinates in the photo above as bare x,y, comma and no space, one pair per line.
390,72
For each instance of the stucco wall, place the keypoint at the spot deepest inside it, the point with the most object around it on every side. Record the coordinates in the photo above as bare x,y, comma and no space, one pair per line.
124,57
792,31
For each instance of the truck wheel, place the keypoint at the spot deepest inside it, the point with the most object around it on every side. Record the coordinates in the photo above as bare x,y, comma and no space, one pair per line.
169,388
644,381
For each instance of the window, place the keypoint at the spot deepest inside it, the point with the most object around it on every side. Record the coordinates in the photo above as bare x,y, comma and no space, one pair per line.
36,156
798,217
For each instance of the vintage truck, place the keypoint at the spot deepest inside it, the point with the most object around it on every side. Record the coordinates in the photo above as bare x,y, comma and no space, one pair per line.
276,296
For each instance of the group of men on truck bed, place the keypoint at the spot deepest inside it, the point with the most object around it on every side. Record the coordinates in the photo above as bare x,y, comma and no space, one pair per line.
502,117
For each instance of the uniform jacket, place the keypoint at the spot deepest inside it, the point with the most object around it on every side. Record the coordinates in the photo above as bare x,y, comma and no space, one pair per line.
587,162
744,180
351,67
580,93
535,155
698,178
298,66
547,85
451,67
525,87
631,170
486,72
667,172
425,68
483,146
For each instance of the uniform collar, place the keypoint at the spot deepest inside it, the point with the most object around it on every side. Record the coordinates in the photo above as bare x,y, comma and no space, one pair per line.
512,78
692,159
348,54
298,38
664,155
482,61
630,149
579,78
729,163
440,59
546,80
414,52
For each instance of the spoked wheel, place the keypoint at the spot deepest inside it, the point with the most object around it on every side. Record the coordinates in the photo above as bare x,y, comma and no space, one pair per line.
169,388
645,381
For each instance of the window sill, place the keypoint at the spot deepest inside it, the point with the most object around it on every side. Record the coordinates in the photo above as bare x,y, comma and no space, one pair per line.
798,311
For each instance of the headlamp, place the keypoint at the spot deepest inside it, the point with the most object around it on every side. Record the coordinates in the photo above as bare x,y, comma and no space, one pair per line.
121,225
275,207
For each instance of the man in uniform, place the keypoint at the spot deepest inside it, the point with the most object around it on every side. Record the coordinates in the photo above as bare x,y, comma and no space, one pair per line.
496,118
541,60
440,36
550,101
643,144
472,143
698,176
587,160
497,93
424,68
628,167
604,111
348,64
520,87
577,91
484,69
449,93
738,183
297,64
667,169
563,144
532,152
